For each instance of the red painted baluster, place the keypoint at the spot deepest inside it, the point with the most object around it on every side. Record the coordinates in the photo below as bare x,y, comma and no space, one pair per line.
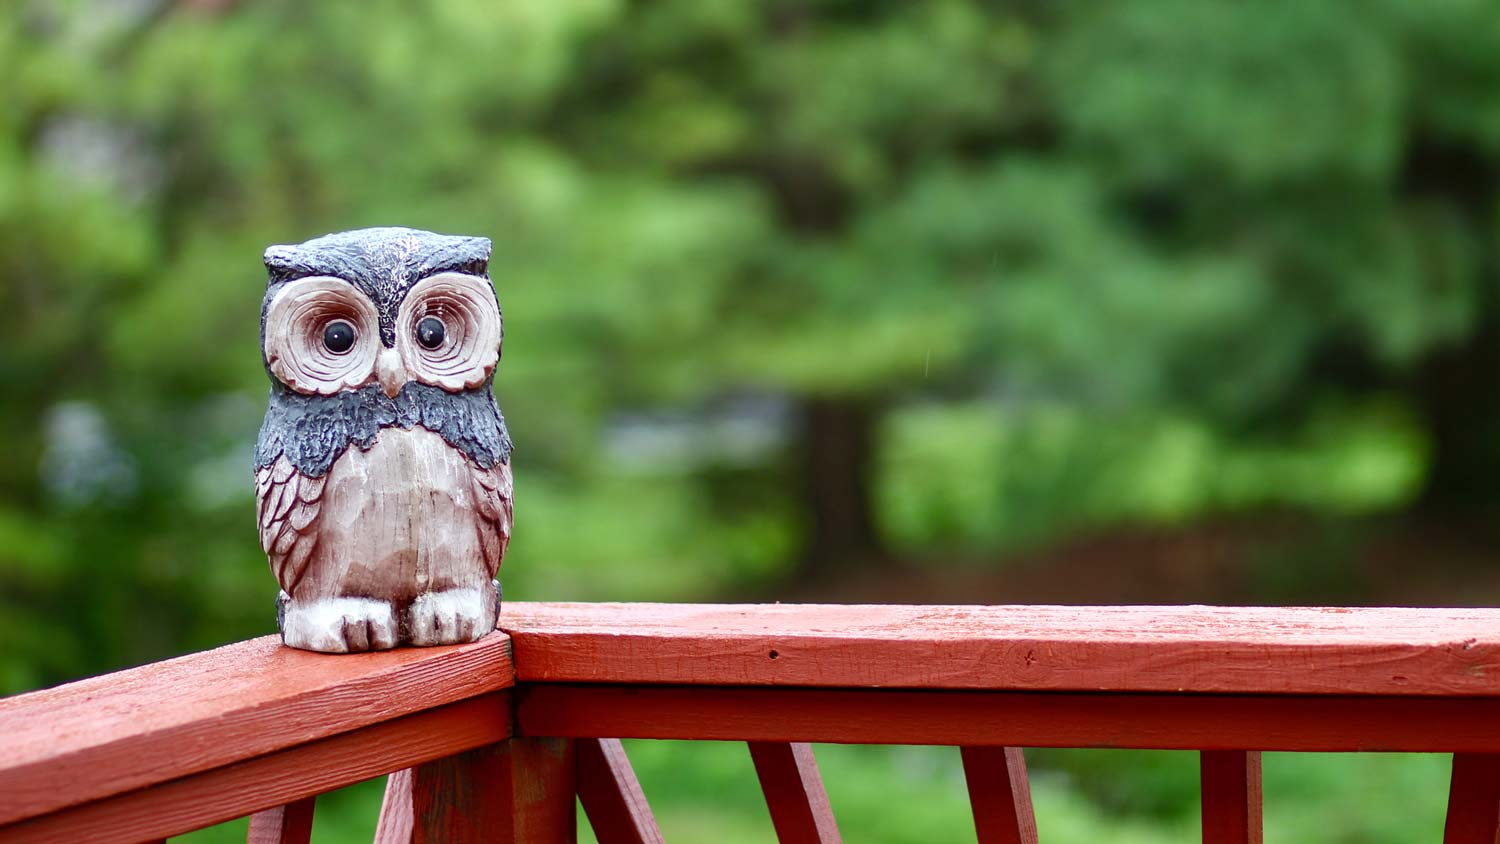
289,824
1000,795
1474,800
395,810
611,795
519,791
1231,796
794,792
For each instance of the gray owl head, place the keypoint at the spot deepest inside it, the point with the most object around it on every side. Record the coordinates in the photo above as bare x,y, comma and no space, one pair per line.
383,263
379,328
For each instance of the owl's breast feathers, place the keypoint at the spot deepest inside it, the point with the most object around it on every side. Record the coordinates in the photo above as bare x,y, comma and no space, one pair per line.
401,523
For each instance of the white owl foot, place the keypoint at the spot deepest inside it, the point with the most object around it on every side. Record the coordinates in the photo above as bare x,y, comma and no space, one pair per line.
338,625
452,616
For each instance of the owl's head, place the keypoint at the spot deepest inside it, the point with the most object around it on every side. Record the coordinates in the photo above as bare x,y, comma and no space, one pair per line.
386,306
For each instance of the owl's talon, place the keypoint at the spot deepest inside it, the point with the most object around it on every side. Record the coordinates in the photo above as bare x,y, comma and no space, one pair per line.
338,625
452,616
356,634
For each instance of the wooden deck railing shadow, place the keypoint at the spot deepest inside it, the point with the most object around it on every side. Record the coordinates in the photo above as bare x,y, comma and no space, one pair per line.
493,741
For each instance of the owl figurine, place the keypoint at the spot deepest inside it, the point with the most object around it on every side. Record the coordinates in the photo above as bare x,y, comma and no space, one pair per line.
382,471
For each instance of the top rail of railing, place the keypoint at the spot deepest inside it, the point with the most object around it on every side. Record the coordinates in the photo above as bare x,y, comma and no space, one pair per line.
1224,650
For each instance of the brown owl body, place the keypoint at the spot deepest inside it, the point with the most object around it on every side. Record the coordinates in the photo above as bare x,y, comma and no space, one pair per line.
402,542
383,480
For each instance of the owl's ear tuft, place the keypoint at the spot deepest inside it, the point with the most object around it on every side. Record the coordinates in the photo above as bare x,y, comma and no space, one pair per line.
285,262
475,256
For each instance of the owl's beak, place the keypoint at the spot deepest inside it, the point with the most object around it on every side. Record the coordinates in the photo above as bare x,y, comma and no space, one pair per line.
391,372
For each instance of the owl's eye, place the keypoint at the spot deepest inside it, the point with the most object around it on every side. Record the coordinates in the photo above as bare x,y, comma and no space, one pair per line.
430,332
338,336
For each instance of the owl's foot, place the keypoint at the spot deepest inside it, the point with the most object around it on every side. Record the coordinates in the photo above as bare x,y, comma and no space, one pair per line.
338,625
452,616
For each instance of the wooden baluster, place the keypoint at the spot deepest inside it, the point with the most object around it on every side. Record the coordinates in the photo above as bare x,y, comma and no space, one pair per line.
611,795
1231,796
394,826
794,792
1000,795
519,791
1474,800
289,824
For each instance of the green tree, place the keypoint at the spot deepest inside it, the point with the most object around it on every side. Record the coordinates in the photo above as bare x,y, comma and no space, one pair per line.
1232,211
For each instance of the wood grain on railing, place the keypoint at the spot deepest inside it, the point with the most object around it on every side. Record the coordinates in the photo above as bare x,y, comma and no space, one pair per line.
1000,795
111,734
1230,650
232,791
611,795
794,793
255,728
1231,796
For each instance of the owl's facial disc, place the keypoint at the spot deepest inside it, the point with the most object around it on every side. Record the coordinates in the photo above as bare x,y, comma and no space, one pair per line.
449,331
321,336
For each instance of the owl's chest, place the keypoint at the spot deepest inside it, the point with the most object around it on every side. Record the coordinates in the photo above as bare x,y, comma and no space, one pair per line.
398,517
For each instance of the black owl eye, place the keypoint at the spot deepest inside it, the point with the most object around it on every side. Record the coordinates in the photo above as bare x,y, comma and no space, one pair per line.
430,332
338,336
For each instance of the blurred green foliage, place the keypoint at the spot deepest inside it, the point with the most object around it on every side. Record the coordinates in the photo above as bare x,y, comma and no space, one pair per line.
790,287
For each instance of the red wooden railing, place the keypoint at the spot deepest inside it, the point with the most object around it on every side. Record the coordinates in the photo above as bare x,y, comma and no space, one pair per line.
492,741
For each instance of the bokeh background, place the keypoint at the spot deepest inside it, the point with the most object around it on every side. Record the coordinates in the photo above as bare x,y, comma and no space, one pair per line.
1160,301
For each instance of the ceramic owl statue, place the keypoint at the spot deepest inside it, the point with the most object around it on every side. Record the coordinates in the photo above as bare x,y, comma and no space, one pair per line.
383,480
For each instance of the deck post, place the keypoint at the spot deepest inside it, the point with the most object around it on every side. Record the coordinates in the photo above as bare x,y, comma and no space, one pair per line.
516,791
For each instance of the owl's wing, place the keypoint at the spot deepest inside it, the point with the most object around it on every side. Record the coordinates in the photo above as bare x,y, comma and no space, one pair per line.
492,497
287,504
